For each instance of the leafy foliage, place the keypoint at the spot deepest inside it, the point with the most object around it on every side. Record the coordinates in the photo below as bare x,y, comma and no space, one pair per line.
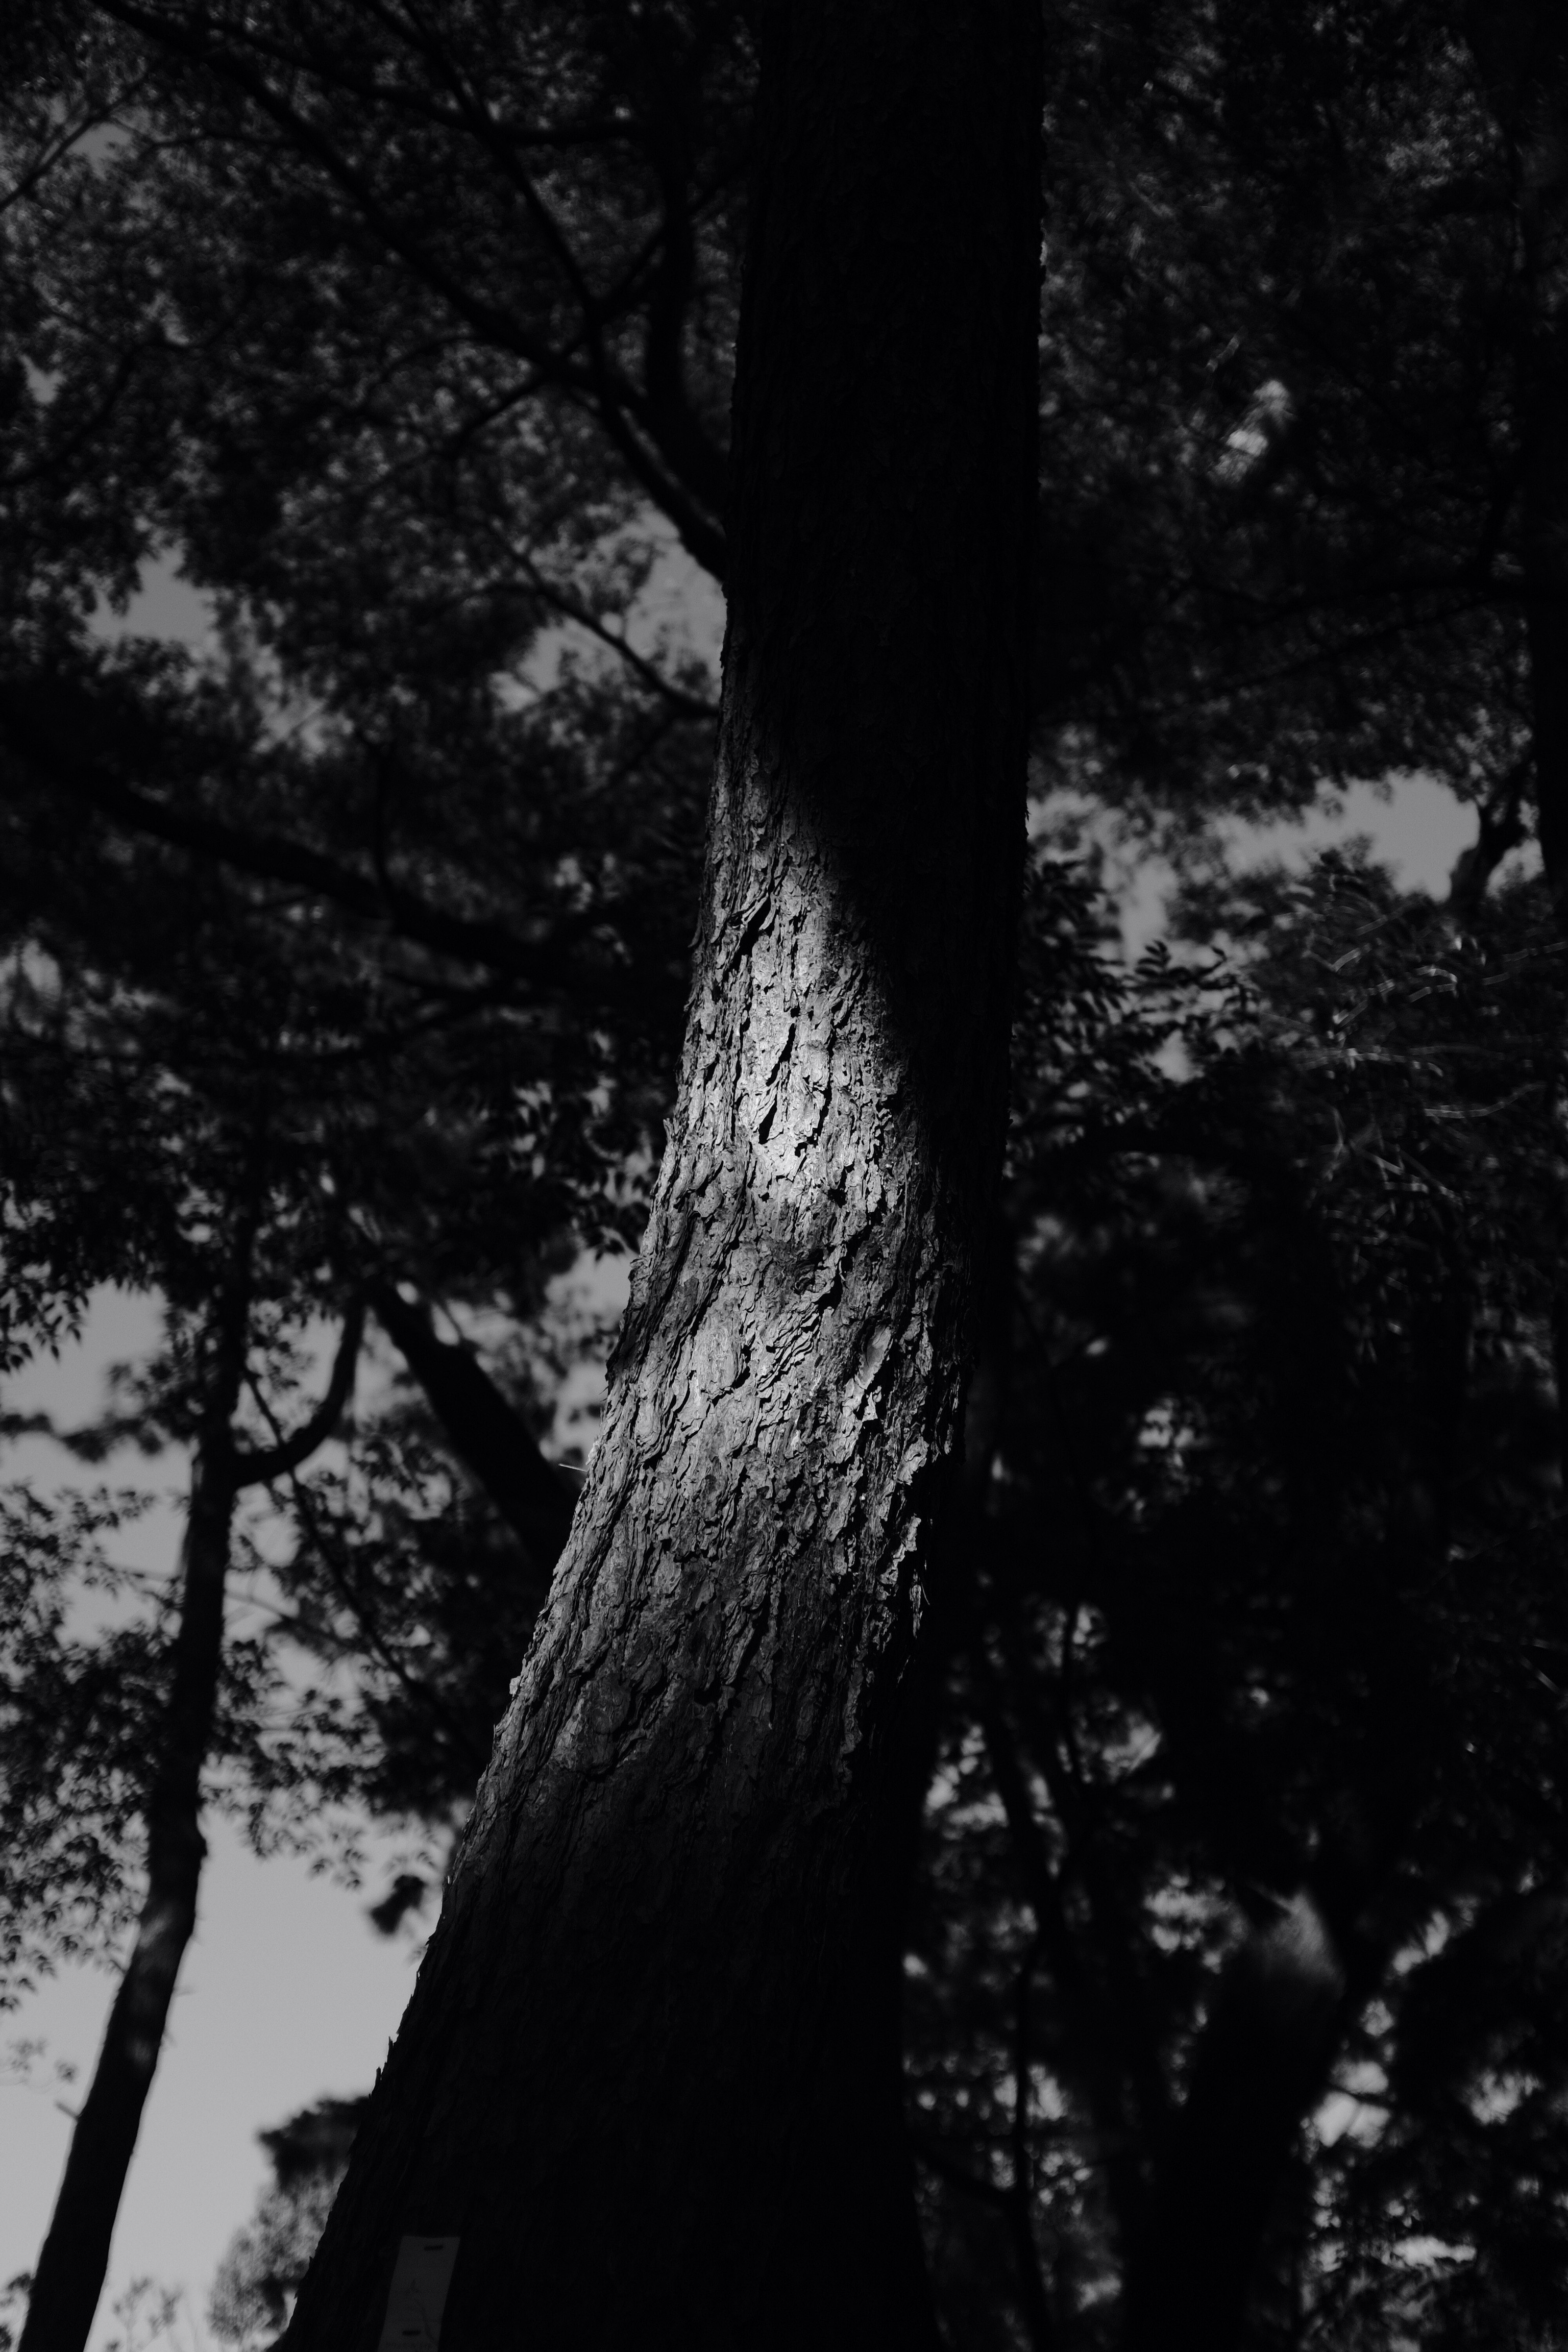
256,2281
406,341
72,1734
1274,1523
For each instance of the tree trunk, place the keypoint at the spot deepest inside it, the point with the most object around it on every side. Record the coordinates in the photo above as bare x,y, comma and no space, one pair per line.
486,1434
1262,2060
643,2079
74,2258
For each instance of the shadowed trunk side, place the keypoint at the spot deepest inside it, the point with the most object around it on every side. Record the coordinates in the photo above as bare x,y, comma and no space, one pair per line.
643,2081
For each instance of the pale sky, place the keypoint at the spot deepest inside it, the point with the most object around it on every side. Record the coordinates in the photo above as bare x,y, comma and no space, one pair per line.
287,1994
1415,826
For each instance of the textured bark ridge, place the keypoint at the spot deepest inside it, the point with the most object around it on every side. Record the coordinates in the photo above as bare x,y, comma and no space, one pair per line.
648,2078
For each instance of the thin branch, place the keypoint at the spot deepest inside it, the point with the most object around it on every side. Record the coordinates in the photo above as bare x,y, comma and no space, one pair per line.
571,608
55,150
610,397
55,459
370,1635
273,858
259,1467
483,1429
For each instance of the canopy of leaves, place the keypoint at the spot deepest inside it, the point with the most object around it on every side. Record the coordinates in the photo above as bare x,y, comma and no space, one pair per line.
406,340
1268,1597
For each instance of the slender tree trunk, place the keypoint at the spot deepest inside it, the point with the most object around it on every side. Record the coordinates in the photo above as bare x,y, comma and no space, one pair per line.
643,2080
1262,2060
74,2258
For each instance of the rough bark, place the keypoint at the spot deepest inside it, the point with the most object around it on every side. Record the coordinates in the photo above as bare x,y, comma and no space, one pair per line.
643,2077
74,2258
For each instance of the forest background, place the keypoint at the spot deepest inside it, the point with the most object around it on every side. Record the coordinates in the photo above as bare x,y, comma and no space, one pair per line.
345,957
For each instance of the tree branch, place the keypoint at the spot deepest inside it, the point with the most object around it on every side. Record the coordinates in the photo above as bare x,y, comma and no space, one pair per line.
26,729
685,705
484,1431
592,380
260,1466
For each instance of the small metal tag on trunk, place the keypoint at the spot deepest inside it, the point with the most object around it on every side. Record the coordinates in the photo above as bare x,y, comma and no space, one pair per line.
420,2278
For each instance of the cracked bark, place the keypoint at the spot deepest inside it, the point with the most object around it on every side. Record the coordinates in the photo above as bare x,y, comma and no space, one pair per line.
642,2078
